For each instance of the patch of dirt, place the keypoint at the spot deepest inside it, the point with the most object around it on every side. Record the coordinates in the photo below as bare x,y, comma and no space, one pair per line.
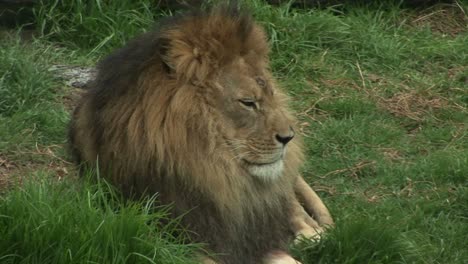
411,104
444,19
459,74
41,158
46,158
7,168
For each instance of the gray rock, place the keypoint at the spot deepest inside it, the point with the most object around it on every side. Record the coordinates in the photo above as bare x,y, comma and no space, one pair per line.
74,76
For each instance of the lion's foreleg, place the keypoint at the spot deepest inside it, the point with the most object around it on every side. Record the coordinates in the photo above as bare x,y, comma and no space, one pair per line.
302,224
206,260
312,203
275,257
279,257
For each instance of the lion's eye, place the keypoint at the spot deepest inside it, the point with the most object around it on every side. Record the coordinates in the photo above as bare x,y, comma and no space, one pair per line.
250,103
261,82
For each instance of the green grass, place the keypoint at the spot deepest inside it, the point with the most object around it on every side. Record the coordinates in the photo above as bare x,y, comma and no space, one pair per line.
97,25
383,107
46,221
30,110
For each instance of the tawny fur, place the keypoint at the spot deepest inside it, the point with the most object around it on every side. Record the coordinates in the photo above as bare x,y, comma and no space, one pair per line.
164,117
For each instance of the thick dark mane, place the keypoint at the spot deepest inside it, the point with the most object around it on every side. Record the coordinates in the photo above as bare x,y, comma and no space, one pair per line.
122,68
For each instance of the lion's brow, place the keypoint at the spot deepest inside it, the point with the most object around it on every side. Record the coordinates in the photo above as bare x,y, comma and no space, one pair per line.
263,83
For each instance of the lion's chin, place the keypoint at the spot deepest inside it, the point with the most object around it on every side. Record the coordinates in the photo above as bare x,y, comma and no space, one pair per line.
267,172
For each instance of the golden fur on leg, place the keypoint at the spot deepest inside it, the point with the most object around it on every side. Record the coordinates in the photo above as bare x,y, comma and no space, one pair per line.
279,257
312,203
207,260
303,225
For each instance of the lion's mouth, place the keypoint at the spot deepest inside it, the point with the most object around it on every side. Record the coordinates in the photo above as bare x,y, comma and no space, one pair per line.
265,170
250,163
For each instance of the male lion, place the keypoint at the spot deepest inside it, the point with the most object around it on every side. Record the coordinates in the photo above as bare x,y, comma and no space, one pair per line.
191,112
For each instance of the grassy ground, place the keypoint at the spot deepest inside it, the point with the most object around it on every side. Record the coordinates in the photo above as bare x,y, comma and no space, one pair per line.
382,95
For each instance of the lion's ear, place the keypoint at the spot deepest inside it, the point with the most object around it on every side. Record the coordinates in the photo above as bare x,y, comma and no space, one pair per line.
187,59
198,46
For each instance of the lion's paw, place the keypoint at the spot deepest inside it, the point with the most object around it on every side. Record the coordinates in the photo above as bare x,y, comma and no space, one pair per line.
279,257
311,233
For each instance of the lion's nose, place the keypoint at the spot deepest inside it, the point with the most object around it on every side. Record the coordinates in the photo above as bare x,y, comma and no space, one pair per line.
285,138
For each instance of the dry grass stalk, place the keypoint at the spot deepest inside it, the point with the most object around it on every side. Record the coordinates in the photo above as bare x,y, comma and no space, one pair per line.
443,19
353,170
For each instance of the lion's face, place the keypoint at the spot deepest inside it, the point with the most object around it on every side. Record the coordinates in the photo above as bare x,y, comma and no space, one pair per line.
259,128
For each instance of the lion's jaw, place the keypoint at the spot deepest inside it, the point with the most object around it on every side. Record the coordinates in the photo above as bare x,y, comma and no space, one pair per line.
266,167
267,171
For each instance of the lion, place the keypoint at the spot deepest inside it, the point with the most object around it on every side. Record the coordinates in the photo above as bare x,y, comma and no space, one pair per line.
191,112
